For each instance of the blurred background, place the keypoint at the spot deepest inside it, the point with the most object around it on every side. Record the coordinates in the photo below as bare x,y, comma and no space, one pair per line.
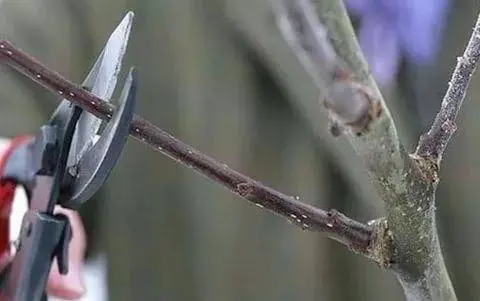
218,75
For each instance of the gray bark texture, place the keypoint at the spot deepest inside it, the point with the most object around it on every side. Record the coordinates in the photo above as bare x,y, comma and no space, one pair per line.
406,182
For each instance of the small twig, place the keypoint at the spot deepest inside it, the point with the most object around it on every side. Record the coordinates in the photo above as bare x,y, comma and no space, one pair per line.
433,144
357,236
349,102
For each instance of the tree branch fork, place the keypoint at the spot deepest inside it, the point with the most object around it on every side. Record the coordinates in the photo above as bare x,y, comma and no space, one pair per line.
406,182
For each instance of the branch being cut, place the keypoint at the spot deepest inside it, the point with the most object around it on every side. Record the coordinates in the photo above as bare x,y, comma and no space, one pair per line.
358,237
432,145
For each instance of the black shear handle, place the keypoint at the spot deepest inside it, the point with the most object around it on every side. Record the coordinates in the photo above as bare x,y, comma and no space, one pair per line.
44,236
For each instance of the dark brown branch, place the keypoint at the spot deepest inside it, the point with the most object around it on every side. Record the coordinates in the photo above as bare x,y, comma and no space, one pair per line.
433,144
357,236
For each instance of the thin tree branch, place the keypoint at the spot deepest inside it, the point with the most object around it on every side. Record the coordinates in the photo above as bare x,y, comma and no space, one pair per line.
358,237
432,145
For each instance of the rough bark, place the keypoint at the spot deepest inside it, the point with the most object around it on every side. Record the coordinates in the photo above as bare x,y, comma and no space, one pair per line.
323,39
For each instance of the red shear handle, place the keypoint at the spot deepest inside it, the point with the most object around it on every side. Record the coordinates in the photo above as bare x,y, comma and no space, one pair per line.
7,193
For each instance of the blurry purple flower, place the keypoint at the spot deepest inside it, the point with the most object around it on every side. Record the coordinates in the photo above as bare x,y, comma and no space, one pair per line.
390,29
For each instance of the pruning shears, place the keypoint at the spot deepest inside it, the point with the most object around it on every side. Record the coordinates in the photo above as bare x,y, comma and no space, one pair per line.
65,163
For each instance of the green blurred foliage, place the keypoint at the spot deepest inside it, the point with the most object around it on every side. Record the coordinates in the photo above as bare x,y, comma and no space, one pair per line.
217,74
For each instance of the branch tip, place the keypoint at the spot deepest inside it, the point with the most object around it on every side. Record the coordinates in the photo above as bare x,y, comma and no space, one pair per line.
433,143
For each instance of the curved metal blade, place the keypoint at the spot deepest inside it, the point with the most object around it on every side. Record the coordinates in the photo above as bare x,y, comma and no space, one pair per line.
95,166
101,81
